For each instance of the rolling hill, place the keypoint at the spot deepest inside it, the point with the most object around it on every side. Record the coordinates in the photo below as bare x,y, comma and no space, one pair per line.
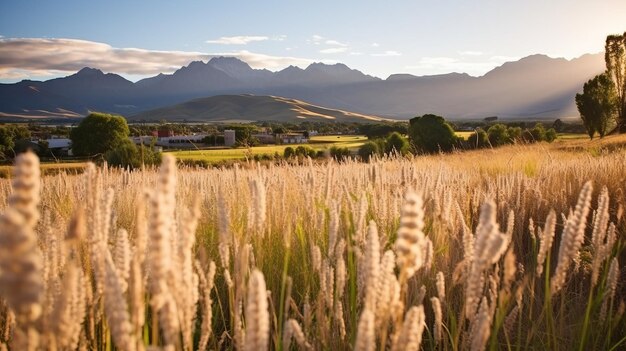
246,108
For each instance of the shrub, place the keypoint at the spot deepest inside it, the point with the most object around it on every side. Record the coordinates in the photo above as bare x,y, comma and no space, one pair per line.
478,139
339,153
498,135
431,133
127,155
367,150
289,152
396,142
550,135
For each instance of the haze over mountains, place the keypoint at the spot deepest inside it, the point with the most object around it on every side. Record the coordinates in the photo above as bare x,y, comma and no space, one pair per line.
534,87
249,108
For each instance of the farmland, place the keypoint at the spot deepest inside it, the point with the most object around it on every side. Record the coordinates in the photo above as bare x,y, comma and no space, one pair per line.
519,247
323,143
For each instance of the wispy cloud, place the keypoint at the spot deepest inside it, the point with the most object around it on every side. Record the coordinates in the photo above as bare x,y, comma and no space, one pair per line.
334,50
335,43
471,53
238,40
387,53
375,45
35,57
316,39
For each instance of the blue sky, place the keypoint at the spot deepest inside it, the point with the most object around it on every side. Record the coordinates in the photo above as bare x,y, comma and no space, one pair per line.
43,39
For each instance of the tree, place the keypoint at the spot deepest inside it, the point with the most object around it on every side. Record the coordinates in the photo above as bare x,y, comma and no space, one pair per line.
128,155
550,135
431,133
339,153
368,150
597,104
289,152
498,135
395,142
615,59
98,133
9,136
478,139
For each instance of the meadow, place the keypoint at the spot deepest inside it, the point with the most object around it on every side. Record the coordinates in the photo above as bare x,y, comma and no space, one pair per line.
323,143
515,248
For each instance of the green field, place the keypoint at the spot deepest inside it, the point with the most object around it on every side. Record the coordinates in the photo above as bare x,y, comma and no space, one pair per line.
323,143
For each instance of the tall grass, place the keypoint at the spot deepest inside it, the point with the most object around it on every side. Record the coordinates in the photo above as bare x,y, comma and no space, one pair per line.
466,251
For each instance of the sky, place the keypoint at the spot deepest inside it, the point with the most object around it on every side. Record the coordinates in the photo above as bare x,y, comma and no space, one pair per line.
43,39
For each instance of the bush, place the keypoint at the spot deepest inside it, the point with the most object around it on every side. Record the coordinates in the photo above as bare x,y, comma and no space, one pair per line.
127,155
478,139
367,150
289,152
431,133
340,153
396,142
498,135
304,151
538,132
550,135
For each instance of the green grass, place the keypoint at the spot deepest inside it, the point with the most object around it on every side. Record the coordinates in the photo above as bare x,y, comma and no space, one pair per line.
323,143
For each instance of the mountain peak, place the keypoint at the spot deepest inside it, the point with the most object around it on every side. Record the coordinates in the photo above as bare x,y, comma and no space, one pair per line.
88,71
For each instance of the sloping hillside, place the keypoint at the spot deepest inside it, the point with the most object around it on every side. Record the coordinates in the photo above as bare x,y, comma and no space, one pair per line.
244,108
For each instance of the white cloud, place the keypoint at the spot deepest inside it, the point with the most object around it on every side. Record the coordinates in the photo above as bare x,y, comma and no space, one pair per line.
335,43
471,53
333,50
35,57
316,39
237,40
375,45
387,53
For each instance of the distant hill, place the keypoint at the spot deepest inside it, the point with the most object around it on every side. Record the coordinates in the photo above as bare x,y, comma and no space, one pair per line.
246,108
536,86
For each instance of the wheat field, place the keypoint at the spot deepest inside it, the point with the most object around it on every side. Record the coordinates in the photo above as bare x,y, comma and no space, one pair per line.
519,248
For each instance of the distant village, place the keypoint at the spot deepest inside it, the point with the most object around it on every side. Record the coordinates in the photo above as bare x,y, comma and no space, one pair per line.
167,139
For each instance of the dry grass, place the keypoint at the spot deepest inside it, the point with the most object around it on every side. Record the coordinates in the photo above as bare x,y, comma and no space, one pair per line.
307,257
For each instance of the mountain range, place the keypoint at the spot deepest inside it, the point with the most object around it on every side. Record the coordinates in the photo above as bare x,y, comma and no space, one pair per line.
533,87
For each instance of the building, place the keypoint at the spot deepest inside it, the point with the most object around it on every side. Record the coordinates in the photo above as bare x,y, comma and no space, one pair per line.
265,138
165,133
229,137
60,146
293,138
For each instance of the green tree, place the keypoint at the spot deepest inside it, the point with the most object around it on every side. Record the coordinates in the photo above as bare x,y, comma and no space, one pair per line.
550,135
6,142
615,59
289,152
395,142
128,155
478,139
431,133
339,153
597,104
498,135
99,133
538,132
368,150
